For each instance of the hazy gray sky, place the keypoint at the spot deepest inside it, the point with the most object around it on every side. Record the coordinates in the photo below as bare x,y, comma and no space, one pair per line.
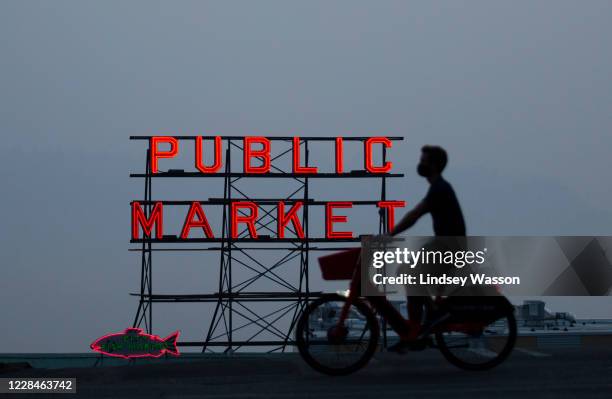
519,92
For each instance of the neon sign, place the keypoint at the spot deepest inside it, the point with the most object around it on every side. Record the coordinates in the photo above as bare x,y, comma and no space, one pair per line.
243,214
263,153
134,343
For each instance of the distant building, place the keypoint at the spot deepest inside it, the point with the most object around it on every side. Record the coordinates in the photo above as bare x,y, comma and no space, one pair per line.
535,316
531,315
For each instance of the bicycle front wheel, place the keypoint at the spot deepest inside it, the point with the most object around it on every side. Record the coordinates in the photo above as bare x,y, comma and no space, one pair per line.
335,349
481,349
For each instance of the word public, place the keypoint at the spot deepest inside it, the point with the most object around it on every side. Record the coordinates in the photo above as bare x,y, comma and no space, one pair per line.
263,153
244,213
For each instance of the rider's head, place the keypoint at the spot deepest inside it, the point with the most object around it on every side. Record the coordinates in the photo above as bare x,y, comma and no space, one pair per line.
433,161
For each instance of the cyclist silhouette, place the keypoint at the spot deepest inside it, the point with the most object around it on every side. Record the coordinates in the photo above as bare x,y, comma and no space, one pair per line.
441,202
473,332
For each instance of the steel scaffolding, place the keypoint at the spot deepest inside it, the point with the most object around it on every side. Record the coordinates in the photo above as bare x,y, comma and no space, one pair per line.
236,321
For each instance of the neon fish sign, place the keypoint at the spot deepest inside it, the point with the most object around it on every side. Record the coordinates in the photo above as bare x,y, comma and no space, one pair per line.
134,343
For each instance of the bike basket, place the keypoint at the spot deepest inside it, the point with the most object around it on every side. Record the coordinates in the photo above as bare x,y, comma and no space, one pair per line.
339,266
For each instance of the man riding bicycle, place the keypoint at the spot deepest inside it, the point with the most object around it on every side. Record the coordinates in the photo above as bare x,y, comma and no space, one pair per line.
473,334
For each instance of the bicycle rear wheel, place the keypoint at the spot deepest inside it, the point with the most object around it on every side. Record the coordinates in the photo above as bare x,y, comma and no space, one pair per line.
333,349
481,349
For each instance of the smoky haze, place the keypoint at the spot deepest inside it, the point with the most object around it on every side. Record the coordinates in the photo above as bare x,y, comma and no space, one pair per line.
519,93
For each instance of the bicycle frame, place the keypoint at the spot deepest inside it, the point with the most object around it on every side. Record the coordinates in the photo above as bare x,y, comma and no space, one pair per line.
379,303
392,316
452,315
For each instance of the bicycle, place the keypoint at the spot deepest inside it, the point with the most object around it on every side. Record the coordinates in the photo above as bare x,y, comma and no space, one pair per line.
338,334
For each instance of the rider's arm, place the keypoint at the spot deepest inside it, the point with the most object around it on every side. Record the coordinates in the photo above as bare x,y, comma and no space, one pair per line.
410,218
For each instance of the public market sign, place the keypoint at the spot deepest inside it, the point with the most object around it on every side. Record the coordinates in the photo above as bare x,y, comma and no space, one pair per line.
244,213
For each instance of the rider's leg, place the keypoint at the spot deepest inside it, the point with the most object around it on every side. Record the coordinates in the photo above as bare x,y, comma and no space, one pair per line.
391,315
415,308
413,325
382,306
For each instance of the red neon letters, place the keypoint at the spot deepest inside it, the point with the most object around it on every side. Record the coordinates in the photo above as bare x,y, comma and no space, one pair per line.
156,153
390,206
248,219
263,154
339,155
199,163
196,209
296,159
284,219
257,159
369,164
140,220
330,219
260,148
245,213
